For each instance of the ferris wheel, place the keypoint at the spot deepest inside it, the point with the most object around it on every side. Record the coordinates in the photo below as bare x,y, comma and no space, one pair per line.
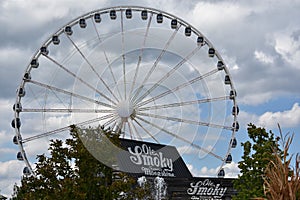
141,71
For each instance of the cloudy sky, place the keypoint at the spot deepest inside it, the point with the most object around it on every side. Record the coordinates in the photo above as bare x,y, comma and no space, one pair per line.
259,41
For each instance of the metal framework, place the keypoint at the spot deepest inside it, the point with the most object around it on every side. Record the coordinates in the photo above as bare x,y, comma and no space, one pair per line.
130,99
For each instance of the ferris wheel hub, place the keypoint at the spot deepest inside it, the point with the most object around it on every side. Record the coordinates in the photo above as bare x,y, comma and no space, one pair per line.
153,83
125,109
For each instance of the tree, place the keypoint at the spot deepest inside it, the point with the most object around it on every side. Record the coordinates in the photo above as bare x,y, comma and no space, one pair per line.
71,172
257,154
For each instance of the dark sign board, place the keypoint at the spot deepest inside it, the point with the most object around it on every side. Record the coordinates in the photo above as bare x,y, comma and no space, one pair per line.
156,160
201,188
150,159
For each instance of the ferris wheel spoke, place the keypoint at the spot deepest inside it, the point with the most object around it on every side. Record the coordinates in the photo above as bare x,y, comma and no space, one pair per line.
71,94
107,60
123,55
184,103
149,51
131,124
155,63
141,55
59,130
168,74
138,123
92,67
45,134
67,110
175,119
61,101
111,121
130,130
190,82
181,138
80,79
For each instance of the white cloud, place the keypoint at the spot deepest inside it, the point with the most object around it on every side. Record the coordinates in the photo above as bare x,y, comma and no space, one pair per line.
288,118
186,150
41,12
204,171
25,13
254,96
6,131
13,61
7,151
8,51
3,137
264,58
241,29
288,45
231,170
245,118
10,173
213,14
11,169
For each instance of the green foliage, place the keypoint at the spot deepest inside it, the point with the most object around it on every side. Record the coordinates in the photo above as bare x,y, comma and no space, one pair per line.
71,172
257,154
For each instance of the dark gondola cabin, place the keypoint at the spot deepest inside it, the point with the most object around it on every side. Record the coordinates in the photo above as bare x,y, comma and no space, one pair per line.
82,23
27,76
233,143
68,30
128,13
113,14
174,23
26,171
16,123
227,80
228,159
44,50
19,156
220,65
232,94
21,92
15,140
188,31
235,110
221,173
17,107
200,40
55,39
211,52
34,63
159,18
235,126
144,14
97,18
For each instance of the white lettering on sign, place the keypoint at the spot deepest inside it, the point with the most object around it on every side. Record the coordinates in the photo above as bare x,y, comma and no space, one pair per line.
206,189
154,163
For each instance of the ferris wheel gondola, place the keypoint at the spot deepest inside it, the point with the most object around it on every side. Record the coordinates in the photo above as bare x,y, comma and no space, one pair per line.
139,70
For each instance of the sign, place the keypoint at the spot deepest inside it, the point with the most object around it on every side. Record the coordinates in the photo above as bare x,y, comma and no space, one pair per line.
150,159
206,189
153,163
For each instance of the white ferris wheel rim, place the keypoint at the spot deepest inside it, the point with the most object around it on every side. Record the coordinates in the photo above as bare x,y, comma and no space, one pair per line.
124,109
